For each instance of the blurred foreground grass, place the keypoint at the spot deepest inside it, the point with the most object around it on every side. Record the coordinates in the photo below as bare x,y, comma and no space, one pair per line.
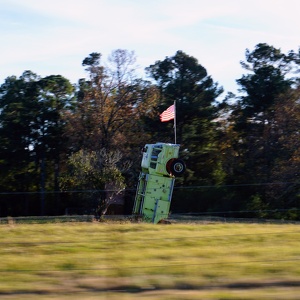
145,261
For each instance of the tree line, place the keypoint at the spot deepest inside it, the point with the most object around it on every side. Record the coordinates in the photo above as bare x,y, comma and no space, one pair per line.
77,145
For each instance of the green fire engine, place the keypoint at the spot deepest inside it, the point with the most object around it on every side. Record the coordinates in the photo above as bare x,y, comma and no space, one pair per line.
160,165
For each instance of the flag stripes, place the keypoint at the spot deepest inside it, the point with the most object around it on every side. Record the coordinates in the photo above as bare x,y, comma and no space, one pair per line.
168,114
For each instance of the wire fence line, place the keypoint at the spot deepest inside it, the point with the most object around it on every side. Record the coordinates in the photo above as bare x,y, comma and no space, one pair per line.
192,187
187,201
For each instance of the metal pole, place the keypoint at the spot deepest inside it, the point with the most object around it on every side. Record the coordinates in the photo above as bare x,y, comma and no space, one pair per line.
175,121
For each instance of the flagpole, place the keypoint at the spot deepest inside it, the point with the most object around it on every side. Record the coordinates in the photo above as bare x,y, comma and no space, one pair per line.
175,121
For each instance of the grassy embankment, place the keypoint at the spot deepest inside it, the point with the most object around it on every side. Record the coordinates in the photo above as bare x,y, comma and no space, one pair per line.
145,261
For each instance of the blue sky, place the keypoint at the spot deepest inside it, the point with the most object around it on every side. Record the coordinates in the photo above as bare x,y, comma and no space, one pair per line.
53,37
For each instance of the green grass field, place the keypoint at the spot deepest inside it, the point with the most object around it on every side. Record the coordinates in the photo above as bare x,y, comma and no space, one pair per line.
145,261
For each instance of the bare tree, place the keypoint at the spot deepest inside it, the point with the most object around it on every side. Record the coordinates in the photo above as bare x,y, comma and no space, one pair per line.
109,106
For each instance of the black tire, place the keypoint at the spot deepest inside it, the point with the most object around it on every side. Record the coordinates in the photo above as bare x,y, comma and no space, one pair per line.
177,167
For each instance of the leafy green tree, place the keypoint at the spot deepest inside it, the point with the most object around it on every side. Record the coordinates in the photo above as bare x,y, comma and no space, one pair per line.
31,131
255,129
17,103
98,174
182,79
54,96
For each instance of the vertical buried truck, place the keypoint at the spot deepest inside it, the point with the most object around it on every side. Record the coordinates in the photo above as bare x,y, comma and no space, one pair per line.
160,165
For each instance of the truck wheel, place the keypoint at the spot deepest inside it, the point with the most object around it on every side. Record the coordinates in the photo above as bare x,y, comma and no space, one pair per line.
177,167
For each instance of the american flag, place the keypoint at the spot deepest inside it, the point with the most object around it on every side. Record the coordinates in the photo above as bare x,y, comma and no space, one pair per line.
168,114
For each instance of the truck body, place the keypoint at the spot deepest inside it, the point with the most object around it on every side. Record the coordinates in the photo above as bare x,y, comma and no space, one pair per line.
160,165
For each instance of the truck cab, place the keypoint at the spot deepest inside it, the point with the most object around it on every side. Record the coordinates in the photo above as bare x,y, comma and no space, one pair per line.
162,159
